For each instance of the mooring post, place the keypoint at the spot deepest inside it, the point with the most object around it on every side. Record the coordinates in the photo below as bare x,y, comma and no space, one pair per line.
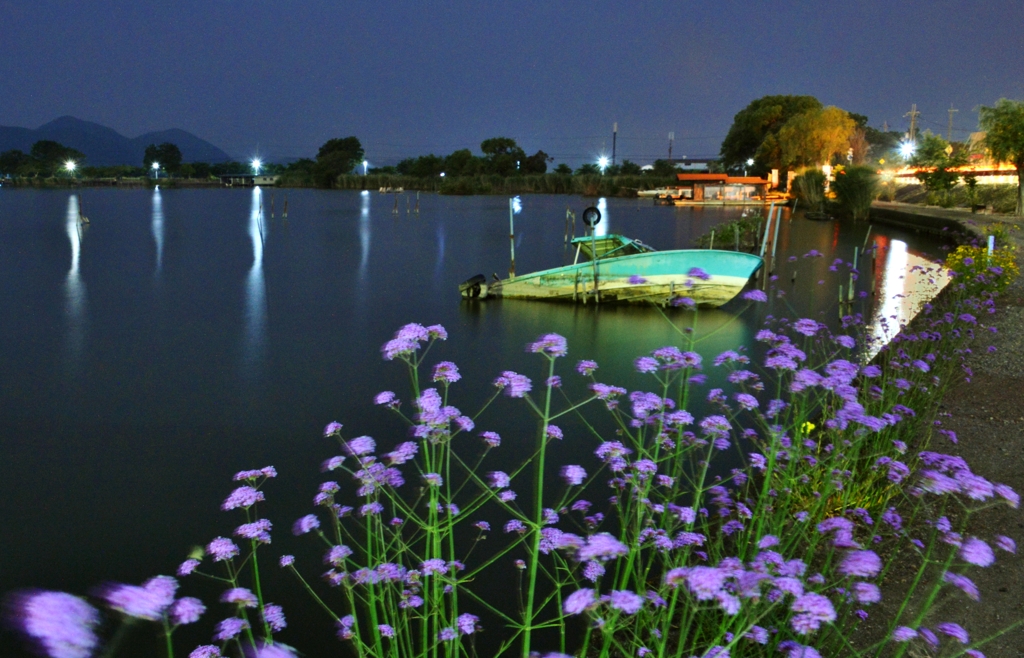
767,227
511,240
712,245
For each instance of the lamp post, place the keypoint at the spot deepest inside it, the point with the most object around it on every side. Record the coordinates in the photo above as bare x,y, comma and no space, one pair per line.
256,165
602,162
750,163
156,170
365,165
69,167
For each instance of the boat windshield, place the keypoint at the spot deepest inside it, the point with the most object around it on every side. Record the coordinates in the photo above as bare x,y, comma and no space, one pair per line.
609,246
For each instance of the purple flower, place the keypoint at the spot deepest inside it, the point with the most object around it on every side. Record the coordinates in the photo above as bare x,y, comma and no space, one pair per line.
466,623
579,601
626,601
686,302
305,525
273,615
186,610
499,479
187,567
704,582
205,651
904,634
975,551
384,397
229,628
746,400
550,344
515,526
484,526
586,367
513,384
360,446
1006,544
867,593
812,610
646,364
258,530
385,630
332,428
845,341
755,296
447,634
62,624
806,326
446,372
433,479
244,497
864,564
602,546
239,596
768,541
698,273
573,474
492,439
554,432
286,561
148,601
955,631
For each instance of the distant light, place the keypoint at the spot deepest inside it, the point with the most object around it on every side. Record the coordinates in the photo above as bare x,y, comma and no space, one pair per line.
156,165
70,166
602,162
256,164
442,174
907,150
365,165
750,162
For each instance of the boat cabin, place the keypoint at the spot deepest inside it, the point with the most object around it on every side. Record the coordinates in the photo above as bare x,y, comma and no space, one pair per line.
722,187
608,246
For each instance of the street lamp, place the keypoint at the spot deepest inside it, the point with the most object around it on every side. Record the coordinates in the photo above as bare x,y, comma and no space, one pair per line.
602,162
907,150
365,165
256,164
156,170
750,163
69,167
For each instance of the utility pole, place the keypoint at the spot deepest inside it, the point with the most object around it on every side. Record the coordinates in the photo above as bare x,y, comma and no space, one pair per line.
949,131
885,126
913,114
615,134
671,138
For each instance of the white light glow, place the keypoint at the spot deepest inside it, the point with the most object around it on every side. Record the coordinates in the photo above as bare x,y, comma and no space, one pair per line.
256,164
602,162
907,150
517,205
750,162
70,166
156,166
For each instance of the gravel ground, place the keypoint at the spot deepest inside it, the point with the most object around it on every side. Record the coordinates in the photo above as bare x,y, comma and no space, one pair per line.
987,414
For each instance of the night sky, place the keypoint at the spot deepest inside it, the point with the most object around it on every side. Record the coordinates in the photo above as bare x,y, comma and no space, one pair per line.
410,78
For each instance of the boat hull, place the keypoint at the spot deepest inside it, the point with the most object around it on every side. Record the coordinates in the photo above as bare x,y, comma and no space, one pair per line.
657,277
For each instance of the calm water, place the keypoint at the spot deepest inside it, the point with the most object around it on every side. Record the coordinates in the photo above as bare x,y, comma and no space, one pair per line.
185,335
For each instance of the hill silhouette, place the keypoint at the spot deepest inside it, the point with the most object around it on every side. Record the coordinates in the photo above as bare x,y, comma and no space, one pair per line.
105,146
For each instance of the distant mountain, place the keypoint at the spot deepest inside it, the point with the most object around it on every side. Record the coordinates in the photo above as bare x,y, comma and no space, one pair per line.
104,146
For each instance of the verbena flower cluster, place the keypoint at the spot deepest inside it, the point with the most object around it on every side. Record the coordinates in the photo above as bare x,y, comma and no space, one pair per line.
760,528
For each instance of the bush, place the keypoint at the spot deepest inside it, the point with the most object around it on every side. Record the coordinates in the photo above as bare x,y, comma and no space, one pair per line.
856,188
809,187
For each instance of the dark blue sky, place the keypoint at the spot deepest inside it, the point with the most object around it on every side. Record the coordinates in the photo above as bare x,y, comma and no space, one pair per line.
409,78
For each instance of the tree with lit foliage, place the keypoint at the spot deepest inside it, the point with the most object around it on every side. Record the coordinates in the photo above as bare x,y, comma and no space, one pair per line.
1004,138
936,159
762,118
814,137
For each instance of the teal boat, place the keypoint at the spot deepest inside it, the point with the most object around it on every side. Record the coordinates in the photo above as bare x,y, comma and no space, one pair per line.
626,270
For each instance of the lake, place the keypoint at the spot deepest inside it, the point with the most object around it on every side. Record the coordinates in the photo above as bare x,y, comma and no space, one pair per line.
184,335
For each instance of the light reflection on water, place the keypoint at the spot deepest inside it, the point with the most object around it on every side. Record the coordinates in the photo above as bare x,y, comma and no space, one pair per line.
158,228
255,292
75,304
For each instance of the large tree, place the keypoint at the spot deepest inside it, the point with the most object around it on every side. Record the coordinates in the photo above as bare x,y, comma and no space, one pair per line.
167,155
813,137
50,156
12,163
336,157
502,155
764,117
935,158
1004,138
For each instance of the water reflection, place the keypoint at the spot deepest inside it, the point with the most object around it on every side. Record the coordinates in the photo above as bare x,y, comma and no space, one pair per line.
158,228
440,250
255,290
364,233
908,281
75,303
